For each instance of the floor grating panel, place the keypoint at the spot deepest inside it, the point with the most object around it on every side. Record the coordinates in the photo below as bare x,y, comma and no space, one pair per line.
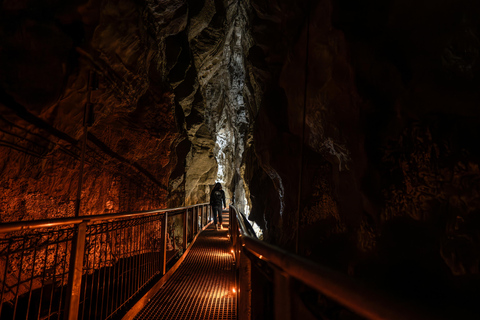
202,288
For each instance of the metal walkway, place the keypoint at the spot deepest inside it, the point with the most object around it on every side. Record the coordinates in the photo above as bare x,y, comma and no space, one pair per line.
202,287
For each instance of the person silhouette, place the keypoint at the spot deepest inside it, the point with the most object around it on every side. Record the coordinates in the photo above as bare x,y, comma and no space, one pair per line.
217,198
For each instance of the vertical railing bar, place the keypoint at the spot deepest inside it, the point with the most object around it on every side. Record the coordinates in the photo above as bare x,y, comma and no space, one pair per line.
196,219
150,264
87,272
7,258
104,269
64,261
149,252
53,280
130,264
152,256
114,267
127,263
85,283
19,278
109,263
185,229
281,296
31,281
193,223
136,260
149,261
113,241
139,259
141,254
118,250
156,265
98,239
123,285
94,260
117,267
164,242
153,262
132,269
142,272
75,272
136,243
120,267
43,277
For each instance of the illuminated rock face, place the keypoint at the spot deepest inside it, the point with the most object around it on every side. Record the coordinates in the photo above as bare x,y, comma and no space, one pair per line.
170,82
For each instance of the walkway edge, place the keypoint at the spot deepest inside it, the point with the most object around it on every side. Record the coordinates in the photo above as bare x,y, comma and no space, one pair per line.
151,293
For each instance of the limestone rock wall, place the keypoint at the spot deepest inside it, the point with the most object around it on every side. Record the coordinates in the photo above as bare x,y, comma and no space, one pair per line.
390,166
162,103
137,132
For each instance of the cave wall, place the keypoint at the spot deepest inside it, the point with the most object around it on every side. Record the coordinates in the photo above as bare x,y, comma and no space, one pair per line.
390,165
169,102
148,145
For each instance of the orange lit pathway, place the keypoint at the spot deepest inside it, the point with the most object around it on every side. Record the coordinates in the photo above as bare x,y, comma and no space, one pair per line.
202,288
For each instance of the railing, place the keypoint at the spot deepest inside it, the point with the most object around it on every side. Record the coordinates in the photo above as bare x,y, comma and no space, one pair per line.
275,284
91,267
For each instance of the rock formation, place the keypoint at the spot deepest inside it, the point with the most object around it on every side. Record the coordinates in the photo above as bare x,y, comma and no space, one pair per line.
365,111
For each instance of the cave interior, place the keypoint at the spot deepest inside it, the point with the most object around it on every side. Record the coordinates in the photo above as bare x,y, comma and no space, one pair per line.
347,131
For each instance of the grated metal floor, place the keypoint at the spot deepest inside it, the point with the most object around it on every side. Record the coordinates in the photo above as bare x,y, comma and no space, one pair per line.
202,288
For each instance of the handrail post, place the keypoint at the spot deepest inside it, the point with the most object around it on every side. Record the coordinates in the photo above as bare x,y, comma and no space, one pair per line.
185,229
196,218
193,222
230,220
202,210
164,242
282,295
75,272
244,288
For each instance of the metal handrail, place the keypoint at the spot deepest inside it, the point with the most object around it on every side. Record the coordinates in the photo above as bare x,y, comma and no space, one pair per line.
244,225
47,223
353,295
89,267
